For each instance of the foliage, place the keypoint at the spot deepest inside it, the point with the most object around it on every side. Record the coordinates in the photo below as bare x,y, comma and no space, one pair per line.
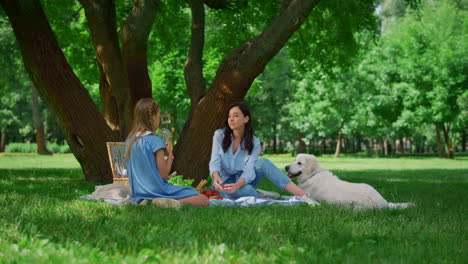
180,181
328,37
15,88
14,102
32,148
267,99
430,50
397,86
44,221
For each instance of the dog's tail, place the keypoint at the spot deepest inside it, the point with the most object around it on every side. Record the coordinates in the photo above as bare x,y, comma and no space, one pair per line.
400,205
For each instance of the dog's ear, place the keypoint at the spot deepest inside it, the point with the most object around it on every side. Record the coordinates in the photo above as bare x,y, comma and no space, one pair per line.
312,163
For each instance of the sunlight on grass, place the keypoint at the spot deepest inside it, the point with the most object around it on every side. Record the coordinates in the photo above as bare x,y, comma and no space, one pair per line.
348,163
21,161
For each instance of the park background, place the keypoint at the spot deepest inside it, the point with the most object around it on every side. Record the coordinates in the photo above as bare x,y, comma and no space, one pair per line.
379,85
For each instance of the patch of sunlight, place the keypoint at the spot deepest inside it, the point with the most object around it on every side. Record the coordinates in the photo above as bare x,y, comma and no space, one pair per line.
411,180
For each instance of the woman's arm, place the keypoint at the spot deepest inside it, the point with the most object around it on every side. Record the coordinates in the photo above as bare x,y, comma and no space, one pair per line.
248,174
164,164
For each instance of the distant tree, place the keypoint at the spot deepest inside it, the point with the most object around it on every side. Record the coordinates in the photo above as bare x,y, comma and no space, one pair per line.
429,47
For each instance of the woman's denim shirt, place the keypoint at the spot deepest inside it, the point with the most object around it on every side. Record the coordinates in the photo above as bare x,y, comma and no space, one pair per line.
238,165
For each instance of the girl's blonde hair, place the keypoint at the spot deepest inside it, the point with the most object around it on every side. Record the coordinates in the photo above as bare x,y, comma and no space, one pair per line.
143,112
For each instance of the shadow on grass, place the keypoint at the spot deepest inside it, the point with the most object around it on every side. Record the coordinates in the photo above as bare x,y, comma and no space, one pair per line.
51,209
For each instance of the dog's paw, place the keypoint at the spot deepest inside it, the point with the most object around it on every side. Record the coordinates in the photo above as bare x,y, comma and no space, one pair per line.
309,201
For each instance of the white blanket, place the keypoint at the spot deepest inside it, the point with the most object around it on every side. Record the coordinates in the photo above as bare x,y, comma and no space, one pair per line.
118,194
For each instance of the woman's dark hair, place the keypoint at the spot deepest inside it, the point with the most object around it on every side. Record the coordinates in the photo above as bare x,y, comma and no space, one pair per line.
248,133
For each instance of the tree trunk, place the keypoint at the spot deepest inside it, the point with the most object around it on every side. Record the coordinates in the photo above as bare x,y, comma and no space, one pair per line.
440,147
275,138
193,70
3,140
358,143
78,117
301,145
463,140
339,140
324,146
38,124
113,86
134,34
385,146
390,146
231,83
401,146
448,141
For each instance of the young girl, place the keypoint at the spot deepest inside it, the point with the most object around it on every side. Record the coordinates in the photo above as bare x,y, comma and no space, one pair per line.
234,165
147,168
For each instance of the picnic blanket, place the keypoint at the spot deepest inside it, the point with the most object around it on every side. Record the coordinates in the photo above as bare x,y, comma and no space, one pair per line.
118,194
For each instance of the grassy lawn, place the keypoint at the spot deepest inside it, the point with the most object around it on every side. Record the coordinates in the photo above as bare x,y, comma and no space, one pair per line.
43,220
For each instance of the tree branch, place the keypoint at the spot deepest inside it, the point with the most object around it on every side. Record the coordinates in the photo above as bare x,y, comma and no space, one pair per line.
134,34
193,71
217,4
100,15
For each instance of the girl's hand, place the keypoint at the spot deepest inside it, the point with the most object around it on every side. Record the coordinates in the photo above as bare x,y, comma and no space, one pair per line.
169,150
217,182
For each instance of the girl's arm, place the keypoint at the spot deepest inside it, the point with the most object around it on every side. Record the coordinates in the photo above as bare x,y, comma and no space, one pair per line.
215,161
164,164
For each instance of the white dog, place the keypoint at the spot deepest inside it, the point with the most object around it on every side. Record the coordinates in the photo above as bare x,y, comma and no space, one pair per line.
322,185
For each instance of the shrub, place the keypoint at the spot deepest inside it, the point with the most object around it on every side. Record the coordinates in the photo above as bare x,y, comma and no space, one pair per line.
56,148
21,148
32,148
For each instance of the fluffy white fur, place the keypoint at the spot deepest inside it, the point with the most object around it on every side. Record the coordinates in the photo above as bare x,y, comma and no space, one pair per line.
322,185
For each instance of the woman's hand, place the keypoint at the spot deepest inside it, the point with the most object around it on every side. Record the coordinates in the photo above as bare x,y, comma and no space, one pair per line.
233,187
217,182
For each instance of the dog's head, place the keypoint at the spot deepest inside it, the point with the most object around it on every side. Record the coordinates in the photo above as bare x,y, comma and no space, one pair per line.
305,164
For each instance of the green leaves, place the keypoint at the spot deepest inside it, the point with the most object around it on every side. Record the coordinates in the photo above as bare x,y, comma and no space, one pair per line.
180,181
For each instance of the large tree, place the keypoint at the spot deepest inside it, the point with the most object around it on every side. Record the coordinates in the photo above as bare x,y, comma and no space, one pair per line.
122,62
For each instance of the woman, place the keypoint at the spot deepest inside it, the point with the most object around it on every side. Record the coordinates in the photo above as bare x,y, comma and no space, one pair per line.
146,165
234,165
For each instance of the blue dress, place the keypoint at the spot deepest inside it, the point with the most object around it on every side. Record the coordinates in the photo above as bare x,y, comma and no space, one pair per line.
143,174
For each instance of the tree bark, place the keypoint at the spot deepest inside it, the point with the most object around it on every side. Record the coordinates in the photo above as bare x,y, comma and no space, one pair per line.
463,140
3,140
85,131
440,147
134,34
38,123
338,140
232,81
448,141
113,88
301,145
275,138
193,68
324,146
385,146
390,145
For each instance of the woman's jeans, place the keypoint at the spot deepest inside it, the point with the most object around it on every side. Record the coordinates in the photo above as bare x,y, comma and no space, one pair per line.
263,168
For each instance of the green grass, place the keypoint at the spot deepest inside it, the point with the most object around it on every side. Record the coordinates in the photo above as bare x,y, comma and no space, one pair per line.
43,221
